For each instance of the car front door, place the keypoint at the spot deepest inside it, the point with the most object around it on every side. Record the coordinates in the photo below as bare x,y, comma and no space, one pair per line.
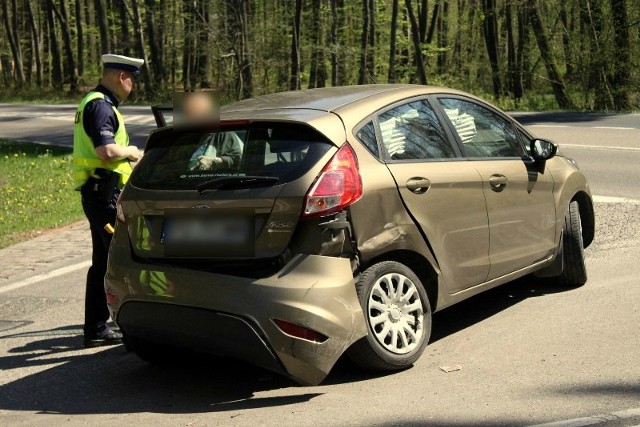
441,190
518,191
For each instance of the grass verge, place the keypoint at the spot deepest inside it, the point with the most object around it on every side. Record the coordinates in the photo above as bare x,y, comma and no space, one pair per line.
35,190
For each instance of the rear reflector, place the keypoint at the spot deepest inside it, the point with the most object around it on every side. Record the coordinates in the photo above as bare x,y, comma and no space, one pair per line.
111,298
338,185
298,331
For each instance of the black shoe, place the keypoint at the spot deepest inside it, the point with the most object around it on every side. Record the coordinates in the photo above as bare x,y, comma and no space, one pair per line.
105,336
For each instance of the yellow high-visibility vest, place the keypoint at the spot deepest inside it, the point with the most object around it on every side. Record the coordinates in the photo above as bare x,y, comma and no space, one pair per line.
85,158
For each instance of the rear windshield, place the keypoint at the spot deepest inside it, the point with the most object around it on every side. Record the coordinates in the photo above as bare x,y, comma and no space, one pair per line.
179,160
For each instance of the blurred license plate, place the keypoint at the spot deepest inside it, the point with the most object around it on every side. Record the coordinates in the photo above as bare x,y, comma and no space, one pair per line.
194,236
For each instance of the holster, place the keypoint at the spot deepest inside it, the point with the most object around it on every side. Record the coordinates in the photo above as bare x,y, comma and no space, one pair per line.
101,188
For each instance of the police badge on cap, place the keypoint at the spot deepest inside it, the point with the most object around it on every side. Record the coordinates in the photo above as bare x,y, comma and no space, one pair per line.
124,63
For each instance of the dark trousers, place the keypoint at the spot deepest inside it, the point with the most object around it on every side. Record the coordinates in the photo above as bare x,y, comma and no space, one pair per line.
99,213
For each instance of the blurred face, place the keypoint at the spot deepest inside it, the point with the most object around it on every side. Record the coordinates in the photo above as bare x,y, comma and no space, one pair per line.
198,106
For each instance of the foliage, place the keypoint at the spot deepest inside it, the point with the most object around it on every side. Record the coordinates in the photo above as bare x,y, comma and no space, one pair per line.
585,53
35,190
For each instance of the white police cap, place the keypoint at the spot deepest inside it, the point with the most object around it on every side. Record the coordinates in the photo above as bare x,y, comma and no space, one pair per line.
121,62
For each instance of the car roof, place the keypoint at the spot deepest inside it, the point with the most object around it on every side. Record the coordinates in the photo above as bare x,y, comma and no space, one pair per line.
332,99
334,111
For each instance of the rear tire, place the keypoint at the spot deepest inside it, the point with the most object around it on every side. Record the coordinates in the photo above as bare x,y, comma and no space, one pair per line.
574,271
398,317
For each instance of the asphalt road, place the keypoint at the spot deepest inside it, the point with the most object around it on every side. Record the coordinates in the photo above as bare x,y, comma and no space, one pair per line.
529,353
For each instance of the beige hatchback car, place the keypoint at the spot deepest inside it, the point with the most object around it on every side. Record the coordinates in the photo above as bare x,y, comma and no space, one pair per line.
345,218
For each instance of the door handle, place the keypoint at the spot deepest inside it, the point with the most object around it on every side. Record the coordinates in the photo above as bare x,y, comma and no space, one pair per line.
498,182
418,185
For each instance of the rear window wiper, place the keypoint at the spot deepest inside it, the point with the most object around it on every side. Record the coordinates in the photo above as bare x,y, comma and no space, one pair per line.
236,182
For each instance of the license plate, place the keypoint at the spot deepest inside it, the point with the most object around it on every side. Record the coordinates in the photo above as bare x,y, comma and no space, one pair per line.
204,236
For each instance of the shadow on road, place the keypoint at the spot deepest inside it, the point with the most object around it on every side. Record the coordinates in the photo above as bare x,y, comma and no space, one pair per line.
61,377
487,304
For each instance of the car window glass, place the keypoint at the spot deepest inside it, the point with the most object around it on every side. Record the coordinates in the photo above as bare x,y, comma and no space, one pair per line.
482,132
183,160
412,131
367,135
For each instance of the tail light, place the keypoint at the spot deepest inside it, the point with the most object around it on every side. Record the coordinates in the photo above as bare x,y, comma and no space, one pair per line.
119,212
338,185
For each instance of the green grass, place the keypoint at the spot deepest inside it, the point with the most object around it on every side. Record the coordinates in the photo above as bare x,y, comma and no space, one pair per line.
35,190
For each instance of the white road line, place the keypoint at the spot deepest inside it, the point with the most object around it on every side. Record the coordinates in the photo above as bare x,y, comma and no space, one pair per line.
600,147
596,419
612,127
45,276
549,126
583,127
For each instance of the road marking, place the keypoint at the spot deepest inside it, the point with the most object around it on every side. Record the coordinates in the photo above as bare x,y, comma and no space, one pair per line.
44,276
549,126
595,419
610,200
613,127
583,127
601,147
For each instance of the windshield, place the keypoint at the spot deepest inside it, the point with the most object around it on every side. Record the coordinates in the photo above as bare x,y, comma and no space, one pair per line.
187,160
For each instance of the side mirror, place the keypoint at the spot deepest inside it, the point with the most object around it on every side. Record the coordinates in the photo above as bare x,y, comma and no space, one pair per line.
542,149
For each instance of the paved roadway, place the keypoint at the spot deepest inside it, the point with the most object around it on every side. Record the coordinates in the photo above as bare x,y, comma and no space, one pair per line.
529,353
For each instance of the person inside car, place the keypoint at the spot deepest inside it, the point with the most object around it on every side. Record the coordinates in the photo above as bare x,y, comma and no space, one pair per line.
219,150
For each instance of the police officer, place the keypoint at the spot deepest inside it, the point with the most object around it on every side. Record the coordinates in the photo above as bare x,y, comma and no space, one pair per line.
101,155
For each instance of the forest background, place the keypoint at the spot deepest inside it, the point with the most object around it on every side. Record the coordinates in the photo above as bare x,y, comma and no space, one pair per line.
520,54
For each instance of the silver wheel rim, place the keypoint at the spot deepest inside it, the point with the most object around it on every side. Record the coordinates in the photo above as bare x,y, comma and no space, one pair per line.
395,313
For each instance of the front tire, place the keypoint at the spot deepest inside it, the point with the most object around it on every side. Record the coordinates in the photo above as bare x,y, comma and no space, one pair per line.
574,270
398,317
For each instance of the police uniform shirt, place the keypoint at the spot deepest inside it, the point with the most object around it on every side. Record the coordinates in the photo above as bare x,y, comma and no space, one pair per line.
99,119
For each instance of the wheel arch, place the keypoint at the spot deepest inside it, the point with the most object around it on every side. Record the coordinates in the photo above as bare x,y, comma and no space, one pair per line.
418,264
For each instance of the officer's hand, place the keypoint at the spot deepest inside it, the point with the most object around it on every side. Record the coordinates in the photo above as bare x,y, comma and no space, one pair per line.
133,153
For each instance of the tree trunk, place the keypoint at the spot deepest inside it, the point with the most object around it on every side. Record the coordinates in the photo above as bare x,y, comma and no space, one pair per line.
56,57
71,67
335,48
599,79
11,25
79,37
511,53
391,78
417,47
490,31
621,79
140,49
443,41
316,72
36,40
294,77
566,41
154,37
364,42
103,25
557,83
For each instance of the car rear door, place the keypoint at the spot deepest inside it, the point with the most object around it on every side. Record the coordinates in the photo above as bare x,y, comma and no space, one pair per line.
518,191
443,193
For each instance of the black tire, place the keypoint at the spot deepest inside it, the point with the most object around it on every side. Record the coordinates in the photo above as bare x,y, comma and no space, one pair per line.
574,270
377,350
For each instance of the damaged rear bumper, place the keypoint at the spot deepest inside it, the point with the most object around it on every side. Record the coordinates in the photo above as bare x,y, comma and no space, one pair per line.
234,316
